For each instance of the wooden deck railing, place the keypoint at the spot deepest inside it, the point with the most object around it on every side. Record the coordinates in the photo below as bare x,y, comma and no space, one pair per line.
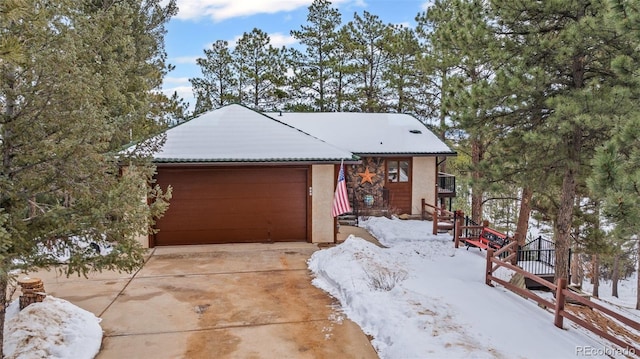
440,215
562,294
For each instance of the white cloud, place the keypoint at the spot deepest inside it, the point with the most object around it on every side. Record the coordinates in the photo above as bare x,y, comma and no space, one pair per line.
219,10
184,59
180,85
279,39
405,25
426,5
184,92
173,81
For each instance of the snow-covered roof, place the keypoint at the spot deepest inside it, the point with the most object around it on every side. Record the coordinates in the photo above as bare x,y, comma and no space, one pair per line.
235,133
368,133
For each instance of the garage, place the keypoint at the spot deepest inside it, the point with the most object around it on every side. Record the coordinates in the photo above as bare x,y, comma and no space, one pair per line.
233,205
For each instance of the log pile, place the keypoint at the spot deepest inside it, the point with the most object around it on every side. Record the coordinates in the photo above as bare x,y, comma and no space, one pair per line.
32,291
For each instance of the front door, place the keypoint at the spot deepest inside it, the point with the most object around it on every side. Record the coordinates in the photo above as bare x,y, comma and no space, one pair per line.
398,182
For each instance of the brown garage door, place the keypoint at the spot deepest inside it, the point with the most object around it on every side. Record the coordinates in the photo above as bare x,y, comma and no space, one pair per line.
227,205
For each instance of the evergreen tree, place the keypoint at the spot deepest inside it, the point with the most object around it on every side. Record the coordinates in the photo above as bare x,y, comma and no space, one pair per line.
214,89
175,108
77,82
261,71
563,52
314,68
365,42
402,77
434,64
616,177
344,70
460,32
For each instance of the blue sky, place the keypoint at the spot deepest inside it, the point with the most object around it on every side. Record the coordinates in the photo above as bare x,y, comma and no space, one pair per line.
199,23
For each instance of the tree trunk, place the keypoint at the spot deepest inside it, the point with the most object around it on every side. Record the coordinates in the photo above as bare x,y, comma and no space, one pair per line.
443,112
563,223
577,274
5,202
638,279
522,227
615,276
3,310
476,194
596,276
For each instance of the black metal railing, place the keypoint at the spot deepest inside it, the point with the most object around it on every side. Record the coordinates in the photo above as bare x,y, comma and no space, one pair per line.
538,256
470,232
446,184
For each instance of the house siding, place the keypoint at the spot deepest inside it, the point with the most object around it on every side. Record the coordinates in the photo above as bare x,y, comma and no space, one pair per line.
424,183
323,179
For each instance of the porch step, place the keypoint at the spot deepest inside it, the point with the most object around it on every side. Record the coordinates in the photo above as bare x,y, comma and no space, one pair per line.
348,220
444,227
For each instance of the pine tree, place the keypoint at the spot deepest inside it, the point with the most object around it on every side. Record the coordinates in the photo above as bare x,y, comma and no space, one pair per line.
402,77
463,38
214,89
616,178
344,71
261,71
563,53
76,84
314,68
365,41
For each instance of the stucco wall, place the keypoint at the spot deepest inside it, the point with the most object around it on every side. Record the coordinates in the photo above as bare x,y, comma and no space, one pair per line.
424,183
322,224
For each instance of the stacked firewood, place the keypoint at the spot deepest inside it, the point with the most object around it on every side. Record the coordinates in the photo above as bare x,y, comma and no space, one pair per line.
32,291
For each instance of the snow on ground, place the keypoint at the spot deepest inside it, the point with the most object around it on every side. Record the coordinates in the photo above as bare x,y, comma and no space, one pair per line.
54,328
421,297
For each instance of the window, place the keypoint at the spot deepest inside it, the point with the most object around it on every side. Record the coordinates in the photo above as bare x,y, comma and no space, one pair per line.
398,171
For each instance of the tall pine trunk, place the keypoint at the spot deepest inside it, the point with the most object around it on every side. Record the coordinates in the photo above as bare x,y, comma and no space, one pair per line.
563,223
522,227
476,194
615,277
638,279
577,272
5,201
3,309
596,276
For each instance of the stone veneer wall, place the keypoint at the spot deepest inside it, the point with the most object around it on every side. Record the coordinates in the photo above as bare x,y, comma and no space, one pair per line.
358,190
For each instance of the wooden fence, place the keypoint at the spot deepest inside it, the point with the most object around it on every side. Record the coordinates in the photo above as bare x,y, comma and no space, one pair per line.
441,217
562,293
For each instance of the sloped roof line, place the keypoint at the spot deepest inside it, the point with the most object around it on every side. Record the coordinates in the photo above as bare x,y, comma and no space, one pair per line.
214,136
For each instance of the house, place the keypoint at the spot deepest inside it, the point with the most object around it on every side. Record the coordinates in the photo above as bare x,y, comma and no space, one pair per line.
243,176
399,158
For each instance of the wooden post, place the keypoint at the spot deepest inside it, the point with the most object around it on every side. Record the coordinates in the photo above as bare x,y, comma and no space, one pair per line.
458,232
561,285
435,220
423,210
489,270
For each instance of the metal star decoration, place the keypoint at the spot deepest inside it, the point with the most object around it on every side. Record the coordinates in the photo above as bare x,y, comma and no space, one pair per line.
366,176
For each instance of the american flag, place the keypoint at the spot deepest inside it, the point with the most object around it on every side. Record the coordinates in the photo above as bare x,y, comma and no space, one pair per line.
340,199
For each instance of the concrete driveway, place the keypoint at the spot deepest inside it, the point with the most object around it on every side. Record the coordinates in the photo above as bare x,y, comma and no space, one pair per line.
216,301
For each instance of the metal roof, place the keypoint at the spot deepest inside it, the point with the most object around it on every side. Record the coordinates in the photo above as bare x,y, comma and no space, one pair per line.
235,133
368,133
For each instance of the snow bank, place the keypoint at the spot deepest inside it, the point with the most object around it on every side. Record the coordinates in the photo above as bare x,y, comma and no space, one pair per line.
54,328
420,297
